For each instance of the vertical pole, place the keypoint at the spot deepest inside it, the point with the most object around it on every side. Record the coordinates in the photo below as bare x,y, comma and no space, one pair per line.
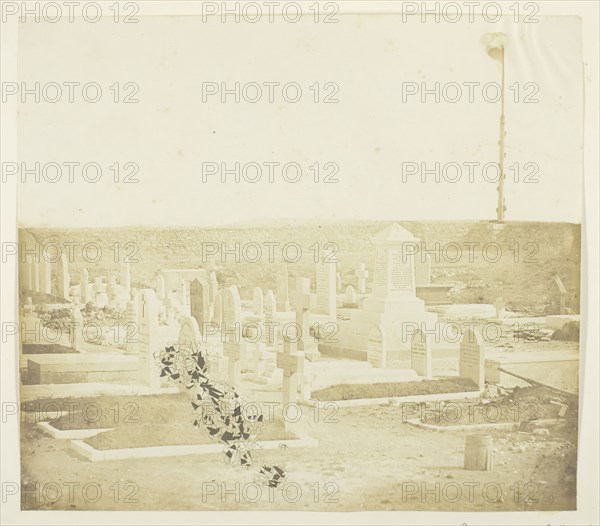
500,209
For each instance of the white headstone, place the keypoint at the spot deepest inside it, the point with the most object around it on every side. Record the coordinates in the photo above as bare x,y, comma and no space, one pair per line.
190,337
326,289
232,314
62,283
257,301
350,294
420,355
218,309
377,347
471,362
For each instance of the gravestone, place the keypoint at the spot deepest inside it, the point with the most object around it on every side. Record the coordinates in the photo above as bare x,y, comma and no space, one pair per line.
190,337
45,276
283,301
471,361
233,348
377,347
420,355
182,293
213,288
350,295
217,309
301,303
257,301
338,282
200,303
84,286
292,362
62,274
161,287
232,313
326,289
270,305
149,343
362,274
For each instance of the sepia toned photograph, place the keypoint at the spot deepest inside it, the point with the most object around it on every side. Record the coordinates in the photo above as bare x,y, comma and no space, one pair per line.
321,261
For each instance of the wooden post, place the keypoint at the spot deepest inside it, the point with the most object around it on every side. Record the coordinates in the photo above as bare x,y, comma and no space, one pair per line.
479,453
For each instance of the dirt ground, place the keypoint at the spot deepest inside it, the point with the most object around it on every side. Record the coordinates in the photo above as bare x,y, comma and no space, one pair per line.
383,463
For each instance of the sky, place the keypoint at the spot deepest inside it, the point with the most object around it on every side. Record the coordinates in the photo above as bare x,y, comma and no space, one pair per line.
372,145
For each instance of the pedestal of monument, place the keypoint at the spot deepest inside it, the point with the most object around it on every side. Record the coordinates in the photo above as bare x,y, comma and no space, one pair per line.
393,304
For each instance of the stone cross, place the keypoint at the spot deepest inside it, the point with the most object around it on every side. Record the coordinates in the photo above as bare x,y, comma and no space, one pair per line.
292,363
362,274
301,304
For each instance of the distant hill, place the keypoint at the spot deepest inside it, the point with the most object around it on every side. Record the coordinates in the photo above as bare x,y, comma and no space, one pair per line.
519,263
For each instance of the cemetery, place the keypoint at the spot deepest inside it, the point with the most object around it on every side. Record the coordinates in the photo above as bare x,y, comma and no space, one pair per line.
168,368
